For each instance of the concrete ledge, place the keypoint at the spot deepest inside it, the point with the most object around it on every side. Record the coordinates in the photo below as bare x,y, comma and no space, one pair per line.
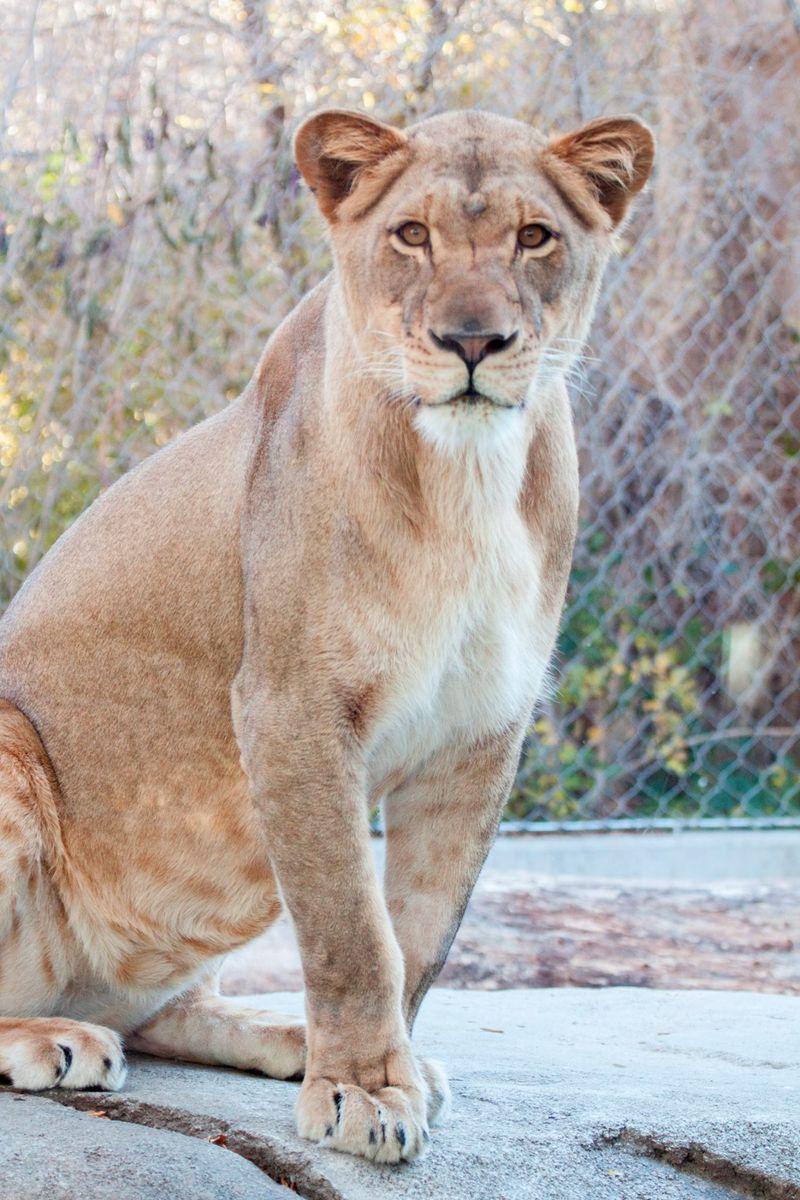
605,910
559,1095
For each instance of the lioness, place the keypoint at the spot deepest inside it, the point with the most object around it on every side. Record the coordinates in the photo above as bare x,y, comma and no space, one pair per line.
342,589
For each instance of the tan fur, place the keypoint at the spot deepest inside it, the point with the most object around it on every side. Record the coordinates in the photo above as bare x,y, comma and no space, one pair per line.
343,589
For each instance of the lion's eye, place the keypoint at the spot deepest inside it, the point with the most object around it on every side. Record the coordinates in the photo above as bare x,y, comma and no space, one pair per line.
412,233
531,237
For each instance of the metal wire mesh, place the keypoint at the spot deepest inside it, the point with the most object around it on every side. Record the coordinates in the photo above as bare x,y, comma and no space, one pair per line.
153,233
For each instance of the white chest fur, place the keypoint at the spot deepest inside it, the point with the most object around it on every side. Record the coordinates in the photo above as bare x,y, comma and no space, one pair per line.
478,664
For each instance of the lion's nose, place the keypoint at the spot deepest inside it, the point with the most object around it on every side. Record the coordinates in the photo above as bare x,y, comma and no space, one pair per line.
471,347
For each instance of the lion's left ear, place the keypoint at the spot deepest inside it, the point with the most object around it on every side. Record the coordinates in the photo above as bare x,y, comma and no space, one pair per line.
337,150
614,156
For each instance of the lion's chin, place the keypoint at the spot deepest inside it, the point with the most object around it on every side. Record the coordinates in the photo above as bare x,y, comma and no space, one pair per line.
469,420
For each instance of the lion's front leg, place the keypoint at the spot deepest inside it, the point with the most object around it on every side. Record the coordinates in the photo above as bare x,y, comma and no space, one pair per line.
202,1026
439,828
364,1091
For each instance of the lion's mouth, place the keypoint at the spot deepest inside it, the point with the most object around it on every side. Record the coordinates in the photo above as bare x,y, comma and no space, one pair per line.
473,398
468,398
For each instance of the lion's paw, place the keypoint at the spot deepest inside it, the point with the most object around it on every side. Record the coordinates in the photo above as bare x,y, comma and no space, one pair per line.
387,1126
437,1095
46,1053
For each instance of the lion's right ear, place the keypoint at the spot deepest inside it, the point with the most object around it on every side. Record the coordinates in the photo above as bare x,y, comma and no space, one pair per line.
337,151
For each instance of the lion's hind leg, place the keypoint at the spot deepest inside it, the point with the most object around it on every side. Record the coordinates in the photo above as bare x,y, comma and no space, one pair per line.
202,1026
38,1050
20,827
33,935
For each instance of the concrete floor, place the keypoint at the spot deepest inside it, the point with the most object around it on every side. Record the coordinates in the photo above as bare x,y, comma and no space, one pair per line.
616,1094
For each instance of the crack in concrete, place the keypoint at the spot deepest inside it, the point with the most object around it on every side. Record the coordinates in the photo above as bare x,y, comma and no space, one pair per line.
696,1159
293,1170
284,1166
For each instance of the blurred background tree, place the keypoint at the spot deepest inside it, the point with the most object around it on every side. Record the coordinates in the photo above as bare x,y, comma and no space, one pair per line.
153,233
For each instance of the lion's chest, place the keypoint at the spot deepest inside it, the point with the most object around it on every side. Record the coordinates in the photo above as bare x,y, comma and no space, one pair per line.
472,666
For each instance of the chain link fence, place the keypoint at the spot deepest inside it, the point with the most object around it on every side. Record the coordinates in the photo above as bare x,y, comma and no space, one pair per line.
153,233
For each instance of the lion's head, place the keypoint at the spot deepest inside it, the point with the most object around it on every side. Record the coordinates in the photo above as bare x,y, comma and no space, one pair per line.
470,247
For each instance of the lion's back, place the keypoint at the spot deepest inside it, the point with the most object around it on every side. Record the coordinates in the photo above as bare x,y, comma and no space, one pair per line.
121,647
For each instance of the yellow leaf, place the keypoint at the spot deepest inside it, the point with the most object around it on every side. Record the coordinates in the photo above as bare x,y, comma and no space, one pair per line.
115,213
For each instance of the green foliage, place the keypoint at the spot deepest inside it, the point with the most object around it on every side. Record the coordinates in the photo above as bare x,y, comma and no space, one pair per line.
632,730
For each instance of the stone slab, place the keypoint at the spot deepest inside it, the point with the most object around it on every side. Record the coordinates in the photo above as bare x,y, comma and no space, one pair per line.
48,1152
558,1095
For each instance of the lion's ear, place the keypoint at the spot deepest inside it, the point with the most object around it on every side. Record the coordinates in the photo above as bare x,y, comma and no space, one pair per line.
614,155
336,150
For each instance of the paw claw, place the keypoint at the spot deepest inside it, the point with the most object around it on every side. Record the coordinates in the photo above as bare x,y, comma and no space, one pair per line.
66,1061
